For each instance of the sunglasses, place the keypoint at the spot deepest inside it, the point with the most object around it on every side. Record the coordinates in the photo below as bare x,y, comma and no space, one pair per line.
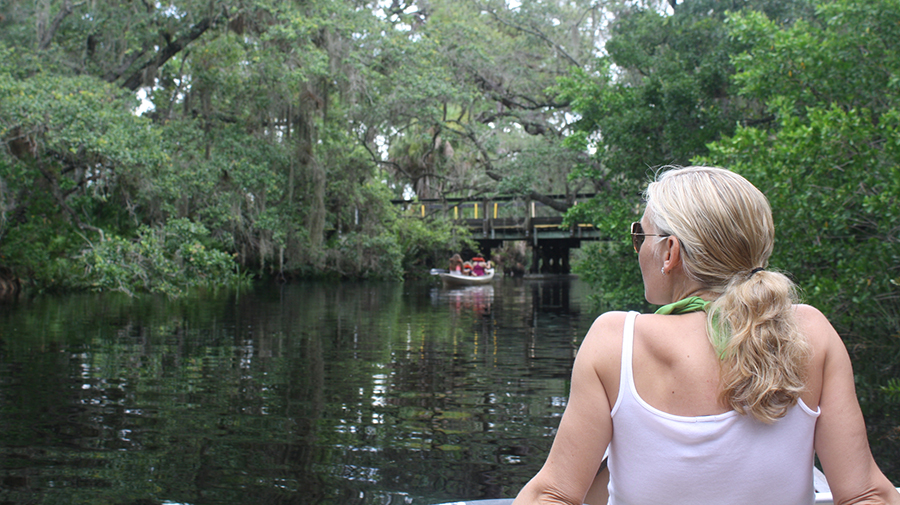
637,236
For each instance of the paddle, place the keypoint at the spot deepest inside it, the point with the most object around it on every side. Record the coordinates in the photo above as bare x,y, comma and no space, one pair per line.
436,271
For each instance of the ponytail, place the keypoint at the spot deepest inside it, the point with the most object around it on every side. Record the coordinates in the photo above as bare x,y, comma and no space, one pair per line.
763,354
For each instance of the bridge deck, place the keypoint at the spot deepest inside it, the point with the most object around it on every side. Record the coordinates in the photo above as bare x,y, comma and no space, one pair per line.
538,229
493,222
504,219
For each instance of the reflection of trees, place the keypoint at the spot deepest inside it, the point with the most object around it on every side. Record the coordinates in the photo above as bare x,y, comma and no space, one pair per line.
311,394
185,402
470,409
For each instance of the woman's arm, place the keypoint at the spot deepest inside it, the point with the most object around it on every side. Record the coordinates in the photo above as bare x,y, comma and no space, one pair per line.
841,441
586,426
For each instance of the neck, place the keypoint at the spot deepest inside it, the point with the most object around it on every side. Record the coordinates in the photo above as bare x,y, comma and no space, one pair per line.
704,293
689,289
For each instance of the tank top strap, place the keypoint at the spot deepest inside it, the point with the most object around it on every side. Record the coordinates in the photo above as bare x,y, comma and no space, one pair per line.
626,374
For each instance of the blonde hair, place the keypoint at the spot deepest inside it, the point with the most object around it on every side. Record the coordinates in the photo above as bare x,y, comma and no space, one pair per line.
725,229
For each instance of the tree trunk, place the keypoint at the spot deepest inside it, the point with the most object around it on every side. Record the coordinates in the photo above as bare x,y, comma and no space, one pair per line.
306,138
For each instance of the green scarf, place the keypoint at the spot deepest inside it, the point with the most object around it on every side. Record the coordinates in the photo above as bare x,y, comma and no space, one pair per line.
689,304
718,335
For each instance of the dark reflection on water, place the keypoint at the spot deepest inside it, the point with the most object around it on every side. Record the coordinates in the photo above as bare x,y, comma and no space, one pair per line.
312,393
307,393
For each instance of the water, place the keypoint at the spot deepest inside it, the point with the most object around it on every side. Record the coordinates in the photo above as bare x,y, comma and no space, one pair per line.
313,393
304,393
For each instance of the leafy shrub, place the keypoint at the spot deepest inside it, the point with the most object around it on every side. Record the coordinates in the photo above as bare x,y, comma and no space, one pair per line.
612,268
168,259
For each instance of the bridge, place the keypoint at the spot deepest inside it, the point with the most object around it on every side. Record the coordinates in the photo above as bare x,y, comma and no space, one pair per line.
492,221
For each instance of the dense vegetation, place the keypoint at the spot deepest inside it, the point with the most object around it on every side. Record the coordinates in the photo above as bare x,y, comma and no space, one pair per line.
150,146
801,98
156,146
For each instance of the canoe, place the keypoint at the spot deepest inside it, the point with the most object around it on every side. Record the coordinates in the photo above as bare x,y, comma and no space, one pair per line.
453,279
823,494
821,499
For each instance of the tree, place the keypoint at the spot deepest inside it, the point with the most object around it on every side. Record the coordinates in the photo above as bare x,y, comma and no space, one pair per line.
254,133
830,160
269,123
473,108
662,93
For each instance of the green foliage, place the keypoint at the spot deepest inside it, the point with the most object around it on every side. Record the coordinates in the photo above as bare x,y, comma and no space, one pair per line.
360,255
837,174
365,244
892,389
71,144
34,247
169,260
801,101
76,120
272,128
428,243
844,56
265,121
231,191
829,165
612,269
660,96
390,244
613,210
410,248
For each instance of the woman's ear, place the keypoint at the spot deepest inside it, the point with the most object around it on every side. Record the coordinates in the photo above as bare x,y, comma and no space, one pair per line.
671,254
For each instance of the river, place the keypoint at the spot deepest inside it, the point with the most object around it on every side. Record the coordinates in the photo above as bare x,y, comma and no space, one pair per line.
307,393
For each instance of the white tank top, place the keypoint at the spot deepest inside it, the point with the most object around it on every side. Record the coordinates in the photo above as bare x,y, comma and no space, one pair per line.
660,458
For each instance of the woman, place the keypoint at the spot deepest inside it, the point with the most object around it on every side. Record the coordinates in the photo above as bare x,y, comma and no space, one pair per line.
727,392
478,266
456,264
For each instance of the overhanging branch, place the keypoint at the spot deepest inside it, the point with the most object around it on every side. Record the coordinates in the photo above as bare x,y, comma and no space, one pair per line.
134,81
47,36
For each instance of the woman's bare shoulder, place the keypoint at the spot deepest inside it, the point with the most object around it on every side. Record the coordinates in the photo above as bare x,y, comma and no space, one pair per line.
607,326
828,349
604,338
815,325
808,313
602,349
612,316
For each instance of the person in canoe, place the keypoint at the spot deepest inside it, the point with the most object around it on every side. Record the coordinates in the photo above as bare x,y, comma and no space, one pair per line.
478,266
456,264
729,391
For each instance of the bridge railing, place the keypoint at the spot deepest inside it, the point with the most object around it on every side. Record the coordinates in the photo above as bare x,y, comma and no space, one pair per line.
499,218
485,208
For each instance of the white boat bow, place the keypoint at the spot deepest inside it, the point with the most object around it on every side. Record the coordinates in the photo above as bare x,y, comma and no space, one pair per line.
823,494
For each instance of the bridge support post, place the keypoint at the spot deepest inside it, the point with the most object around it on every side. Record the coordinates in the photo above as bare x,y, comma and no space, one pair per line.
552,256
